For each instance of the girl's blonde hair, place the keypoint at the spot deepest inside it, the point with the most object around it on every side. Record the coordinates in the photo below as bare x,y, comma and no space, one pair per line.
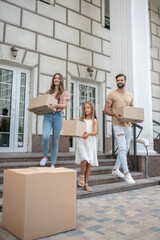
61,87
93,112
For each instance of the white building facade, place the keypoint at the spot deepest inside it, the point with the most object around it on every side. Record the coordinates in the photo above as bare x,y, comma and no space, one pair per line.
71,37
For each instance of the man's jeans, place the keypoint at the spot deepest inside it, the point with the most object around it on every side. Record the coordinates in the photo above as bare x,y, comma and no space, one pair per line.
123,137
52,121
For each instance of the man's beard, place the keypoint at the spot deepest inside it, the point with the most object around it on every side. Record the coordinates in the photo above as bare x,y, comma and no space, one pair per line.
121,85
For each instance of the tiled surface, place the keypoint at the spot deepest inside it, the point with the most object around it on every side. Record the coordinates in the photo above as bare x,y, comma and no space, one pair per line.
125,215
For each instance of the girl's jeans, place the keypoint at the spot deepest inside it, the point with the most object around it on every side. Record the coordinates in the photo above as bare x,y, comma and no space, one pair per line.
52,121
123,137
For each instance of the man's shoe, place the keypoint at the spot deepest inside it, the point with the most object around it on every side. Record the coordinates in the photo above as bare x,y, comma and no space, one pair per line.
43,161
128,178
118,173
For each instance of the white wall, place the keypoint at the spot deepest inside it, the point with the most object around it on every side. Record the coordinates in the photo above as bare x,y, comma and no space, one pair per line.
155,61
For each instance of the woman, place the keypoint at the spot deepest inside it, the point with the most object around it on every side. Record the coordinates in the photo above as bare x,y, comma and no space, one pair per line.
54,120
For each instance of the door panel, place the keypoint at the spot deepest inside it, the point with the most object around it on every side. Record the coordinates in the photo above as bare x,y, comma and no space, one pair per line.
14,84
6,87
81,93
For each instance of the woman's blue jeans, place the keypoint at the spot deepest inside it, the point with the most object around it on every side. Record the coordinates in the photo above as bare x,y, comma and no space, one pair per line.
52,121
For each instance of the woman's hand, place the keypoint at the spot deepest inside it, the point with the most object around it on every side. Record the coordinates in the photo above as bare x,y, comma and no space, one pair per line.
86,135
52,106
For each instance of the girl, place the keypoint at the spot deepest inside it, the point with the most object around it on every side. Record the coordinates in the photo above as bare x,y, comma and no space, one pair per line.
54,120
86,153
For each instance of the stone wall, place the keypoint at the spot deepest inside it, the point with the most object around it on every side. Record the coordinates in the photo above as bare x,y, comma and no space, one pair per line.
153,165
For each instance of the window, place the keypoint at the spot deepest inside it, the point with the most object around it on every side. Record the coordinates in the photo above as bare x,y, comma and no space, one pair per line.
107,14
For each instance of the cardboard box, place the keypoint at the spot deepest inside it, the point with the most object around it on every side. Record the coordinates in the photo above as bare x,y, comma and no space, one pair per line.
39,105
131,114
39,202
73,128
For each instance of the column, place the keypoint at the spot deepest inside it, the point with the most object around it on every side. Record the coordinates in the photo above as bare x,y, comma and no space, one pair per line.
130,54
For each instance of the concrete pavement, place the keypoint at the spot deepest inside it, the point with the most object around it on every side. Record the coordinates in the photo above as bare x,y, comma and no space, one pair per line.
126,215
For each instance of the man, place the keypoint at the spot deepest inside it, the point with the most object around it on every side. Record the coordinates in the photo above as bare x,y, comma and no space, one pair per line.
122,130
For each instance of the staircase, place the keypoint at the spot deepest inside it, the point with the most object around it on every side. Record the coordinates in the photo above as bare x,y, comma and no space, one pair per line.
101,179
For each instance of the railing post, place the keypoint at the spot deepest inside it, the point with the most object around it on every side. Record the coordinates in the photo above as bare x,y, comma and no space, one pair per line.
146,162
104,130
113,143
135,147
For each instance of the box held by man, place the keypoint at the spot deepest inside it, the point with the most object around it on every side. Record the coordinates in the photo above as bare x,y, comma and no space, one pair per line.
131,114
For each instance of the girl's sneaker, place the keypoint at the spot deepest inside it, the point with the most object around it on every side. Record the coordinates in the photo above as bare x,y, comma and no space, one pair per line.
43,161
52,166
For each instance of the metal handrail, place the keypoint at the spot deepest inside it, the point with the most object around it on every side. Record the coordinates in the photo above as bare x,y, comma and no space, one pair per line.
158,123
157,137
135,125
104,130
107,22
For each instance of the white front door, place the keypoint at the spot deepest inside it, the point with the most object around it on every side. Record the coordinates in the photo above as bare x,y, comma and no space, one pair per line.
81,92
14,96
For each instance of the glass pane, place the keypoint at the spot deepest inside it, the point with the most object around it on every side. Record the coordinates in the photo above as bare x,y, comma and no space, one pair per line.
23,79
22,110
6,79
86,94
5,91
4,128
20,140
22,94
6,76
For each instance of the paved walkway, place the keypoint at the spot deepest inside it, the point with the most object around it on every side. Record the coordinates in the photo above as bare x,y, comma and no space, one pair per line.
125,215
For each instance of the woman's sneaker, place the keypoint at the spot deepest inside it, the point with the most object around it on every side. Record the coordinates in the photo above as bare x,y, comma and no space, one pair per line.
117,173
128,178
43,161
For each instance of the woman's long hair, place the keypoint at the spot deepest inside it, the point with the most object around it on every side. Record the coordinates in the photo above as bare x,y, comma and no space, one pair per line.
61,87
93,112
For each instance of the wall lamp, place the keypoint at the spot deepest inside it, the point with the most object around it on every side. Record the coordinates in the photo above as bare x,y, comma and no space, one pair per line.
90,71
14,51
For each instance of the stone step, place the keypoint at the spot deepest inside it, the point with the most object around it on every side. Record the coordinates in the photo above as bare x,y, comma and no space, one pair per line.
66,163
1,190
95,179
1,178
12,165
109,178
27,157
1,202
94,170
116,187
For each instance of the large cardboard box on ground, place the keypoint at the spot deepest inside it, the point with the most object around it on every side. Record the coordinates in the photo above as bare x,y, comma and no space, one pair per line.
131,114
73,128
39,202
39,105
